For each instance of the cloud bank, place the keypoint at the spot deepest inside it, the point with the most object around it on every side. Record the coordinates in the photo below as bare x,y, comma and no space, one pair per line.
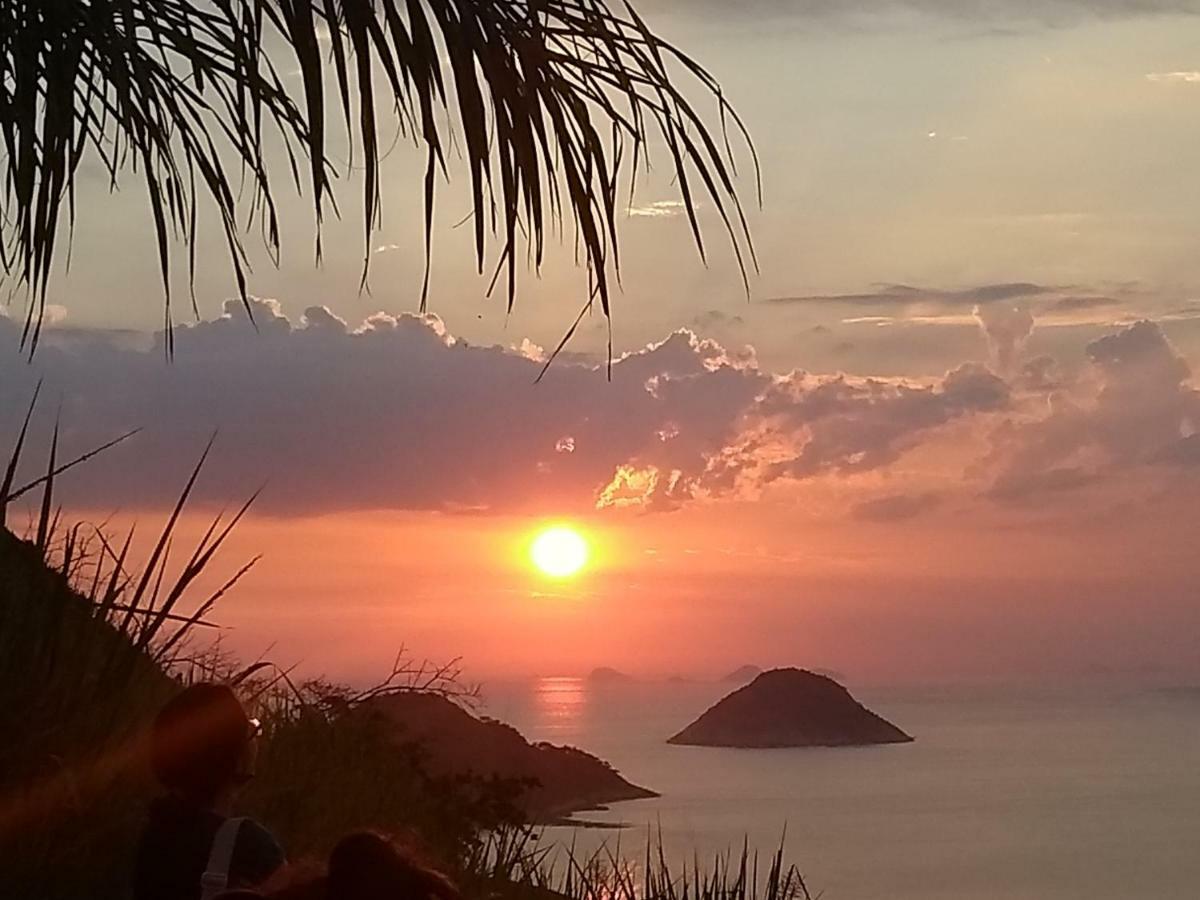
398,414
1143,414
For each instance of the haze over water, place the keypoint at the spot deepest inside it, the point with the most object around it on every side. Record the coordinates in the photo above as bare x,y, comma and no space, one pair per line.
1008,793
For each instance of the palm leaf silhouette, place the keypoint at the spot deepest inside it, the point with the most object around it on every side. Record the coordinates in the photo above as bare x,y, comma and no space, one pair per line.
548,101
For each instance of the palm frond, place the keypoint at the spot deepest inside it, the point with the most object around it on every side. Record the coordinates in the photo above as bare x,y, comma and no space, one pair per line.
552,101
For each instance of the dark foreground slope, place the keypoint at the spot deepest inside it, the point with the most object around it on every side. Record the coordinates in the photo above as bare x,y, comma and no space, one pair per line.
562,780
790,708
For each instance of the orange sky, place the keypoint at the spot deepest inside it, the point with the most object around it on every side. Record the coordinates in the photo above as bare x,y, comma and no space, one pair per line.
702,591
954,431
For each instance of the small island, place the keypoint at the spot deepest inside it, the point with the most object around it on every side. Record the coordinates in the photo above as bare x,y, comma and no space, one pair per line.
743,675
561,780
790,708
606,675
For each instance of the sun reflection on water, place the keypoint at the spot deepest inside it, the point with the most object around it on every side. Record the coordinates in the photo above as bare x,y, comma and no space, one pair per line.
560,704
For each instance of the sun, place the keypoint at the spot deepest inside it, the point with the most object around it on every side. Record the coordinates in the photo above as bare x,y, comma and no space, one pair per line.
559,552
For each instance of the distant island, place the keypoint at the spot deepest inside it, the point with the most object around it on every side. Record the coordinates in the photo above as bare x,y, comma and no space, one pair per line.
743,674
607,675
563,780
790,708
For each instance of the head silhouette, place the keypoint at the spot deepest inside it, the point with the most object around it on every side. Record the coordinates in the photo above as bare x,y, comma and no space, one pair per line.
367,866
201,743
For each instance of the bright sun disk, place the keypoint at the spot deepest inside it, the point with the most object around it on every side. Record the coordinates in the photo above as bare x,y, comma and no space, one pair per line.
559,551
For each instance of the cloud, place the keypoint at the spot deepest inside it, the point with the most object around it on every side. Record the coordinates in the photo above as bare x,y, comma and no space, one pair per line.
1040,375
1005,310
397,413
905,295
896,507
1138,410
1174,77
845,426
1036,485
1007,326
660,209
55,315
1081,303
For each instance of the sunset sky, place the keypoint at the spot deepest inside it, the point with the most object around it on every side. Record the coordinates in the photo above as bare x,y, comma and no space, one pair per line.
953,433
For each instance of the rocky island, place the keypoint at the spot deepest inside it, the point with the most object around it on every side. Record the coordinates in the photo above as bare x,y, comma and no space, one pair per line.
606,675
562,780
790,708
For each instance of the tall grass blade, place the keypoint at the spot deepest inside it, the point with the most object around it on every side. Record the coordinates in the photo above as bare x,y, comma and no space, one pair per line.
135,602
42,541
14,459
58,470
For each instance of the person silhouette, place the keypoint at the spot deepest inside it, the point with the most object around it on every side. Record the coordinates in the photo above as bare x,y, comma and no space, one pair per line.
365,865
369,866
202,751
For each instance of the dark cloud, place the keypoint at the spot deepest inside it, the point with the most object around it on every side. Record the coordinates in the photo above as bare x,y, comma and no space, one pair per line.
905,295
1013,487
900,299
897,507
999,15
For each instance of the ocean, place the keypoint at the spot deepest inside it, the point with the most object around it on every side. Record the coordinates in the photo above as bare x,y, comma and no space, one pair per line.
1013,793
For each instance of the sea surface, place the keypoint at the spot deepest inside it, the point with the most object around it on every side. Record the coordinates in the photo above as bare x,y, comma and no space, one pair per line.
1080,793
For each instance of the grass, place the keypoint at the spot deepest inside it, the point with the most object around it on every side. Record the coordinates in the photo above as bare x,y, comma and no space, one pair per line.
515,862
89,650
91,647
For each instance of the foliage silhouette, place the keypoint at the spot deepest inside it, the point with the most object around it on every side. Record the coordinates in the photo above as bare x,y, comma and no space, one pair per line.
547,101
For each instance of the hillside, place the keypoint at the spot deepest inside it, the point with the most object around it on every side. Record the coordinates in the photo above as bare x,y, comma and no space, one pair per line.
567,780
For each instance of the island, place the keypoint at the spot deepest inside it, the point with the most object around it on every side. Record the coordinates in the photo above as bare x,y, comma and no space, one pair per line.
606,675
743,675
790,708
561,780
